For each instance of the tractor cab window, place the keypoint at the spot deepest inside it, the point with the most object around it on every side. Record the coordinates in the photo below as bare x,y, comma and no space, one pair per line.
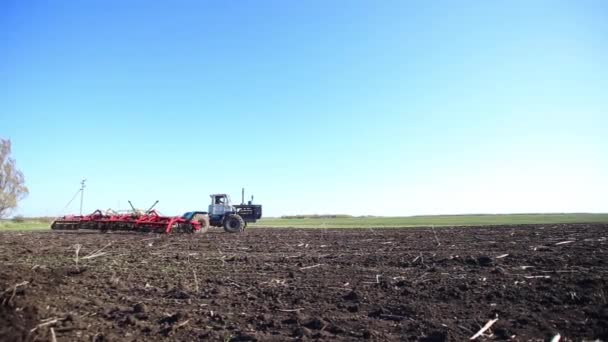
219,200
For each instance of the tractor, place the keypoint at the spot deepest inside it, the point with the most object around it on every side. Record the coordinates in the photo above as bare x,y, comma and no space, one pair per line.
222,213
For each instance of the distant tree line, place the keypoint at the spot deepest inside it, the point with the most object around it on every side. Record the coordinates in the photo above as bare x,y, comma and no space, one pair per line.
316,216
21,219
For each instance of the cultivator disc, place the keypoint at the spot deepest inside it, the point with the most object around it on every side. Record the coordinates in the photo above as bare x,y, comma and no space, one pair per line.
150,222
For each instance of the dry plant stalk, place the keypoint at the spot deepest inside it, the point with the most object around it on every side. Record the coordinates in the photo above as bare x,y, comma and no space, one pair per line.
195,281
556,338
485,327
291,310
435,233
14,288
98,252
53,337
564,242
308,267
181,324
46,322
77,250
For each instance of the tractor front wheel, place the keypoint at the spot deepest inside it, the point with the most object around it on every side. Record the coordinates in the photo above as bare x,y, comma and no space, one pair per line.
234,224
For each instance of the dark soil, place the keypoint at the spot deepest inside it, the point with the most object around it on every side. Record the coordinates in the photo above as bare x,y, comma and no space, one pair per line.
283,284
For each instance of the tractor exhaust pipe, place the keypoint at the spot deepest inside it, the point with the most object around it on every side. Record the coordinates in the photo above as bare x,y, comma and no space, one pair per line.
243,197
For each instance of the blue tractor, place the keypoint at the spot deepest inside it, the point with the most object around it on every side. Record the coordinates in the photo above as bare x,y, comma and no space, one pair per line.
222,213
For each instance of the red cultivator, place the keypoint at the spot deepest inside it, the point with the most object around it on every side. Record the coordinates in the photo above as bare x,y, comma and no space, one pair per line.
151,221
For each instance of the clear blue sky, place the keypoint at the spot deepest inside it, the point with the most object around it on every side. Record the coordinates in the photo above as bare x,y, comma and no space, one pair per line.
358,107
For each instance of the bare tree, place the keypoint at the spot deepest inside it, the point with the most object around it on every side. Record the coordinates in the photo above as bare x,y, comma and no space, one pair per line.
12,183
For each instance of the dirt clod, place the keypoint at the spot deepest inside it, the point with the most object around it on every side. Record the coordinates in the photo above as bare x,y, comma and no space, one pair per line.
352,295
139,308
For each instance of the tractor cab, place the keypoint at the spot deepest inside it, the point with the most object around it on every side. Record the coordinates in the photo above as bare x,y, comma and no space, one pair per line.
220,205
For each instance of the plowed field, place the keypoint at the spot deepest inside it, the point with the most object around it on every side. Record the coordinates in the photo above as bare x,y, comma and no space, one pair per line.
280,284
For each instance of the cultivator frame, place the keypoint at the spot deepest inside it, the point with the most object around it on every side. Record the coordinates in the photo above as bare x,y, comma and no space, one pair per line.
150,221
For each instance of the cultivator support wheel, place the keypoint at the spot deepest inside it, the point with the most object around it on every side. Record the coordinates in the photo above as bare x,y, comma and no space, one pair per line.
203,219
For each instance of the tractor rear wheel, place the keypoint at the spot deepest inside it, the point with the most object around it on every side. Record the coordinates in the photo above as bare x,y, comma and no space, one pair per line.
234,224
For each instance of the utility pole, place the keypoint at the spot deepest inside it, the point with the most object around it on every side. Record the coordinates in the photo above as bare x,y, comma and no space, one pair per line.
82,186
